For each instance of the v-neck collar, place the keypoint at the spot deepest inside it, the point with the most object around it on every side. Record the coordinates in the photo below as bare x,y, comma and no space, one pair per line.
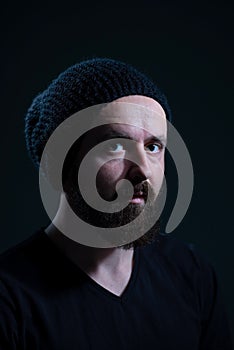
129,287
90,281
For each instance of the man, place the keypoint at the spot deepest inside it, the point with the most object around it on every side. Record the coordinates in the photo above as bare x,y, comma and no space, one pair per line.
138,289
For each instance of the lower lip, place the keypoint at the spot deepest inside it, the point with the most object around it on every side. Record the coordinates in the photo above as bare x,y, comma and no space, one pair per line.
137,200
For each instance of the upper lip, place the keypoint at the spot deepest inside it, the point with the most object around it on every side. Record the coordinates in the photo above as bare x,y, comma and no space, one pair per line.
138,194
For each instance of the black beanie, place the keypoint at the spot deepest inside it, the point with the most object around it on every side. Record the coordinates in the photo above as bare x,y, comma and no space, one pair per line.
91,82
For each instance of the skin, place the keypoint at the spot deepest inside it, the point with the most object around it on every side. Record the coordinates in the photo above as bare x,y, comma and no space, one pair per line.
147,151
112,267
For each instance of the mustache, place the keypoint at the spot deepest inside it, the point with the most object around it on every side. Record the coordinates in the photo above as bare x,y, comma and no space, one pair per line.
140,189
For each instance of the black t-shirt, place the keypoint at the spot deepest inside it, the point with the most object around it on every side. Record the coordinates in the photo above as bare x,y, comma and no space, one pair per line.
172,301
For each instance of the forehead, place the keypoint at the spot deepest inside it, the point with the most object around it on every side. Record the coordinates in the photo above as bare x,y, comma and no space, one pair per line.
135,115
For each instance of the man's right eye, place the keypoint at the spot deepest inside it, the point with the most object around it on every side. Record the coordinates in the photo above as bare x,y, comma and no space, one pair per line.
115,147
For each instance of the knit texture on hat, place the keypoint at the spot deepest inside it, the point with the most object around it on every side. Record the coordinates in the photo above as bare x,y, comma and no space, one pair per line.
91,82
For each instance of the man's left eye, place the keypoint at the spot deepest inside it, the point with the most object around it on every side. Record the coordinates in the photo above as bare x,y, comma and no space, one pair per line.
153,147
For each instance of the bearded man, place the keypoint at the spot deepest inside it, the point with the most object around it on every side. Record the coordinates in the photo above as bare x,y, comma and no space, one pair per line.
110,279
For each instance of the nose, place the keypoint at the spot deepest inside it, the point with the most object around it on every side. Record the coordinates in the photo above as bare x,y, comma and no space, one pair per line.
139,169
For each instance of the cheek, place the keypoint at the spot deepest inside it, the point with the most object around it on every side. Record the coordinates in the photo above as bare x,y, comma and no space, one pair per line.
161,167
158,172
110,172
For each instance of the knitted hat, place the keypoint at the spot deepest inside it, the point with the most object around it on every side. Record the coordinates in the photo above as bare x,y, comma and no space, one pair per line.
91,82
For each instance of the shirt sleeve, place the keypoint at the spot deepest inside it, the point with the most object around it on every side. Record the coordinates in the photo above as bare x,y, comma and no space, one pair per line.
215,334
8,324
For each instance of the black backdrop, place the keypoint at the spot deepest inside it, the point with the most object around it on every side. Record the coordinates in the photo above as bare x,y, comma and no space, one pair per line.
186,47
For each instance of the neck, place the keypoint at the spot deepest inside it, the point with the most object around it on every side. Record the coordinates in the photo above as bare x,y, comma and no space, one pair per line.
88,258
91,259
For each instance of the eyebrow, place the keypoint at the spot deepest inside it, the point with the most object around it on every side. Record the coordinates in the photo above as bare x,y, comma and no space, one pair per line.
112,134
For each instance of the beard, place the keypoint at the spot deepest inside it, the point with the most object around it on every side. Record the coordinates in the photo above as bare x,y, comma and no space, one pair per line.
121,218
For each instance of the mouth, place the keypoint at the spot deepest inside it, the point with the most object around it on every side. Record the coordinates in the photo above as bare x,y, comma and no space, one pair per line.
138,197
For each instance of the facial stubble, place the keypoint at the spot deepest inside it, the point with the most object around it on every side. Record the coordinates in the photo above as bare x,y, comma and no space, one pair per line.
121,218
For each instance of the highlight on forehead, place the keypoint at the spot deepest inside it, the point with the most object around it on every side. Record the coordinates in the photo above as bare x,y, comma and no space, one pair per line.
145,101
137,114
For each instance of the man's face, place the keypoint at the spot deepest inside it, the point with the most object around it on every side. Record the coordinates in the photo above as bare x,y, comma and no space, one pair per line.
132,152
114,164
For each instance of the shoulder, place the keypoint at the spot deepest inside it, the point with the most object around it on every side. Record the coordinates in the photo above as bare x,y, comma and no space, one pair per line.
35,265
23,248
184,262
184,268
24,258
174,250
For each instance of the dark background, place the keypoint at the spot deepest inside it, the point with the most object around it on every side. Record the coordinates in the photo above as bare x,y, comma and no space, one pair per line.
186,47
